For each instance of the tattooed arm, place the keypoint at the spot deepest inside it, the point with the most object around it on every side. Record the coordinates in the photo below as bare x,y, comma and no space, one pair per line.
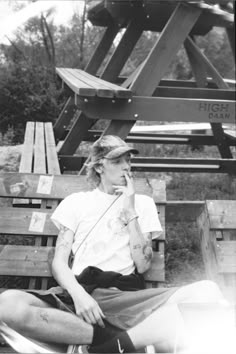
85,306
61,271
140,246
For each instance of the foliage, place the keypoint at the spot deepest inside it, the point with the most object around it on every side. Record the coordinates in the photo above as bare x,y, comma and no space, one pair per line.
27,94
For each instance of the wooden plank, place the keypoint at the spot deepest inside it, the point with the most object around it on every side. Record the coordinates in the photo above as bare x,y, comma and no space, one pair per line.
121,54
26,260
156,14
78,86
64,119
168,138
178,168
198,66
39,149
226,256
158,60
79,128
231,37
85,84
222,214
51,154
36,261
189,92
74,163
59,186
26,162
103,88
208,247
122,51
24,221
102,48
169,109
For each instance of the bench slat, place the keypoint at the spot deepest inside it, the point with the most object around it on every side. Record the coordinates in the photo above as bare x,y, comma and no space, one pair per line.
26,161
39,150
76,85
26,261
226,256
25,221
25,185
53,166
85,84
100,85
36,261
101,89
222,214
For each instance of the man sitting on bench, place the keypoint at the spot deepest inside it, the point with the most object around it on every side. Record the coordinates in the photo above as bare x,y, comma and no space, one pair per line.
101,301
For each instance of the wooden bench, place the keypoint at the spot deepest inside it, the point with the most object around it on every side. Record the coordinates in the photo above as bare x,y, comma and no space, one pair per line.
39,149
39,153
84,84
217,226
33,261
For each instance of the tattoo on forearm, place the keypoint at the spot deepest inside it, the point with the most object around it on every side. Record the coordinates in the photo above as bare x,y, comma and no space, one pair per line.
44,316
147,249
136,247
147,252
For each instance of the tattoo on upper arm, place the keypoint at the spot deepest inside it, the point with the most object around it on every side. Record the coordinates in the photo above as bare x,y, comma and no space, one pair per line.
147,249
63,229
62,241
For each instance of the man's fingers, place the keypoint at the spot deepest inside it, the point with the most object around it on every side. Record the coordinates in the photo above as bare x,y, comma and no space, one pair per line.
88,318
98,317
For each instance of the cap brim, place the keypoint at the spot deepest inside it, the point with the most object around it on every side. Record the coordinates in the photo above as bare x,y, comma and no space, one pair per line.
119,151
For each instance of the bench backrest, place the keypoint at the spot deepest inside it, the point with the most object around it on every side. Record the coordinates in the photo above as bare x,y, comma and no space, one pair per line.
33,224
217,226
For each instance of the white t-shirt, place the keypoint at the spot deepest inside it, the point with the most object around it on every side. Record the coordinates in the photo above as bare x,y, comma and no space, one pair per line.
107,245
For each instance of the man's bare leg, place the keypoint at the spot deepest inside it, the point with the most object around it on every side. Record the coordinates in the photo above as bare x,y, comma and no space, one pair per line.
34,318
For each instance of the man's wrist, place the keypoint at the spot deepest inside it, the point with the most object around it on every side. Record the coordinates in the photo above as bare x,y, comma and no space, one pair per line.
130,215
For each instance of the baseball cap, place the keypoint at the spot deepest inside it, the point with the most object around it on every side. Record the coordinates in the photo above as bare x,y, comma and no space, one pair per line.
110,147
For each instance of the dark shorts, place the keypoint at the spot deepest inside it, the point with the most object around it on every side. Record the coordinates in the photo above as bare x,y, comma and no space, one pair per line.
123,309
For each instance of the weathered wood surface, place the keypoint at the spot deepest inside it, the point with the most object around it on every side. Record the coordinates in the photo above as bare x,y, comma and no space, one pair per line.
217,229
222,214
167,138
226,256
28,261
155,14
39,186
27,221
36,261
169,109
146,164
84,84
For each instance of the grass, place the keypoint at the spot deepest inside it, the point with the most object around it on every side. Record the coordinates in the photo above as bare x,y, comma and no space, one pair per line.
183,256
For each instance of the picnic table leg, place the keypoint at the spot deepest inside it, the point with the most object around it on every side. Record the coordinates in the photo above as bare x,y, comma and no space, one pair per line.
198,61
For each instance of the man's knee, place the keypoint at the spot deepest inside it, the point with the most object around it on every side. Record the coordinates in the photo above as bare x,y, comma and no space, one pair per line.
209,288
13,307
